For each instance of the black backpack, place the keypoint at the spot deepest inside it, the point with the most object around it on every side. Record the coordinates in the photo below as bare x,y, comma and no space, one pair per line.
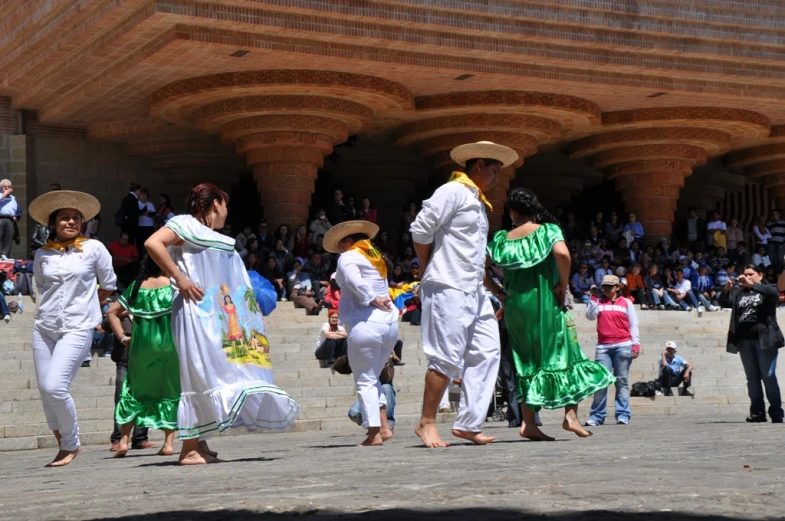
645,389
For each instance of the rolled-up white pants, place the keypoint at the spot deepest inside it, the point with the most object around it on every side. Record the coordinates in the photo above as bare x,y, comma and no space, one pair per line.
370,345
459,325
57,358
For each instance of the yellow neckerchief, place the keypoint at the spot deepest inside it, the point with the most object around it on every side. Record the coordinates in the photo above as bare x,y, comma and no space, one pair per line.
460,177
76,242
366,249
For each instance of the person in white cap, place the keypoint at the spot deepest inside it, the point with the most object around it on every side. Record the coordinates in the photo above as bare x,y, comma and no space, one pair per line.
674,370
618,344
66,270
450,234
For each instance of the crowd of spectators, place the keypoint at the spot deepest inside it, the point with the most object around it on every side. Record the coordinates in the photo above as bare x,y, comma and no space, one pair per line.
685,274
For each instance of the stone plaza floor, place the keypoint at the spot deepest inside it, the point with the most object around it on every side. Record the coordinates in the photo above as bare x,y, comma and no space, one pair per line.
656,468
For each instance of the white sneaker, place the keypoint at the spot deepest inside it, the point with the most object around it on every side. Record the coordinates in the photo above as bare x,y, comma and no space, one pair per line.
689,309
7,318
701,309
591,423
714,308
622,422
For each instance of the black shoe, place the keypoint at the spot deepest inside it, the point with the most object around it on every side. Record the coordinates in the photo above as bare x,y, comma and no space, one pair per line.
684,392
514,424
86,363
756,418
776,419
399,363
667,391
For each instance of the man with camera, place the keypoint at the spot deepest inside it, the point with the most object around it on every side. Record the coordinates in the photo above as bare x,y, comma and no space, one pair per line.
618,344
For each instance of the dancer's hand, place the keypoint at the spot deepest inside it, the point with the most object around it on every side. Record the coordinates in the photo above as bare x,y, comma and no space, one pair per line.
560,292
383,303
190,291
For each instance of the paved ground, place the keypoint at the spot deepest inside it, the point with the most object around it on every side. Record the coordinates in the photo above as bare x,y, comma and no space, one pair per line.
667,468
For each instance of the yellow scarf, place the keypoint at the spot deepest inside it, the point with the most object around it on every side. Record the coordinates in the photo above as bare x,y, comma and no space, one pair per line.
460,177
366,249
63,246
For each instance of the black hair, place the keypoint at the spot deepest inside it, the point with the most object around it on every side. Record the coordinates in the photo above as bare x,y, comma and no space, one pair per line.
754,267
135,187
525,202
678,270
488,162
145,191
370,201
148,268
167,201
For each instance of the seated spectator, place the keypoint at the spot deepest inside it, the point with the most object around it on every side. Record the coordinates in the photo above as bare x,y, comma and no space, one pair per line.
681,292
602,271
704,289
282,234
331,343
252,263
585,254
386,380
4,312
125,260
301,243
405,241
633,230
409,216
656,290
661,257
275,275
367,212
332,297
266,239
685,263
645,259
384,245
319,272
635,287
300,290
674,370
720,261
613,228
412,311
597,226
722,276
581,284
771,276
414,271
397,278
698,260
320,225
601,250
742,256
319,246
622,251
635,253
406,263
241,240
252,246
761,258
282,257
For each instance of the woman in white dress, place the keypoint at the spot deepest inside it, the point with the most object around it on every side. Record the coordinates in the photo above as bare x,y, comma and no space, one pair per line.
370,318
66,269
226,381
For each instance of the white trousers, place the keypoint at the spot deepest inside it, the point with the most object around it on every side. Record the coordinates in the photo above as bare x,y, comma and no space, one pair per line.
460,329
370,345
57,357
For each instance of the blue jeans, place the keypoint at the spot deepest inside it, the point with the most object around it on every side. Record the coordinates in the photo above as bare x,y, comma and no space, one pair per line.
774,249
3,306
689,300
582,297
702,299
356,415
761,364
617,360
666,298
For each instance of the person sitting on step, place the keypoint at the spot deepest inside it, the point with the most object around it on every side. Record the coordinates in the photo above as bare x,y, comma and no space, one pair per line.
332,339
674,370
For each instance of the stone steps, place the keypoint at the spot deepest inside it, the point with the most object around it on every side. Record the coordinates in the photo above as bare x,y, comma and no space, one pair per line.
325,397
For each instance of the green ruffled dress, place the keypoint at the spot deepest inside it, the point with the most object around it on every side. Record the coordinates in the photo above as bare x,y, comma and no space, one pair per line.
552,371
151,390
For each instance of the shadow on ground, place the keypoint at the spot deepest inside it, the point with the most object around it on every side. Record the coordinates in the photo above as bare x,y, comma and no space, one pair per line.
468,514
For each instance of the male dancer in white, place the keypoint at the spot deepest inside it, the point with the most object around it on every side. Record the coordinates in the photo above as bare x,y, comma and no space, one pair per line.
458,322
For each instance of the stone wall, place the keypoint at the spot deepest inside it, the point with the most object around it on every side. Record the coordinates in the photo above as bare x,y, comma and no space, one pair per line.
102,169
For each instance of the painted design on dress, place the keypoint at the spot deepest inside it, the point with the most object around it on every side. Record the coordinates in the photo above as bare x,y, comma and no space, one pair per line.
236,317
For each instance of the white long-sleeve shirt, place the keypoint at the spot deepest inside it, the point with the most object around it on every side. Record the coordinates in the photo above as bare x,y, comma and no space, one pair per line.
66,286
455,222
360,283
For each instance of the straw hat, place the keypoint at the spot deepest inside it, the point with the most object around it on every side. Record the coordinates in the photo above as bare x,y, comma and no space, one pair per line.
483,150
43,205
341,231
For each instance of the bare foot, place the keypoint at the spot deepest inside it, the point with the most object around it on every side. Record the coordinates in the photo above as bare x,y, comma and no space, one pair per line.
165,451
122,450
575,426
386,434
532,432
195,457
477,437
372,440
429,435
64,457
204,449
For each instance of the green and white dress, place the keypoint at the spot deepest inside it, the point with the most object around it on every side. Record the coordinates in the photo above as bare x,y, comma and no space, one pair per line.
226,375
151,389
552,371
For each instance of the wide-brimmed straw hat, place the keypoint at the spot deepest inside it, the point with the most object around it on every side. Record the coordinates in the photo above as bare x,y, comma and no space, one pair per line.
341,231
484,150
43,205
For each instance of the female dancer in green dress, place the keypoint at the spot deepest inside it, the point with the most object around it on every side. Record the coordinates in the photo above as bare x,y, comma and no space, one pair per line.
552,371
151,390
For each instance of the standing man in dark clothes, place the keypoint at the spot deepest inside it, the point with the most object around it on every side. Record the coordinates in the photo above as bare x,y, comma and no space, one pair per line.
337,211
692,230
130,212
777,228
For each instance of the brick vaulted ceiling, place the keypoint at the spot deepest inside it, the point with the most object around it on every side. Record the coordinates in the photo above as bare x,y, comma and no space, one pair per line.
627,82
